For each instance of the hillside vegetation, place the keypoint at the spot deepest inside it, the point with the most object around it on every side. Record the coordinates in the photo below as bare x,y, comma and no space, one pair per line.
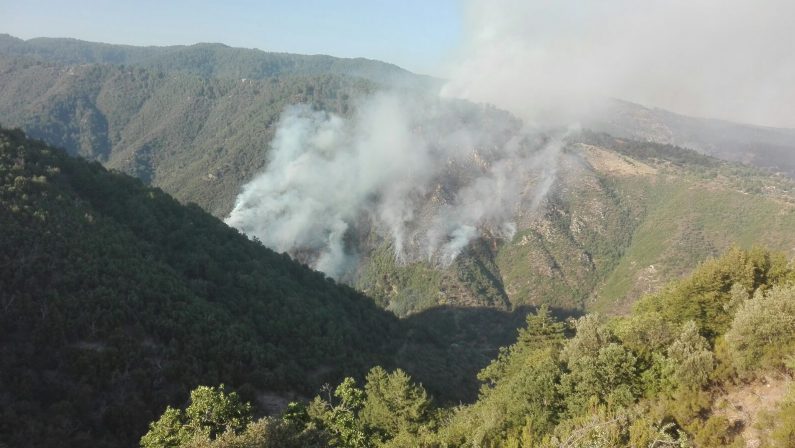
663,376
199,139
623,217
210,60
116,300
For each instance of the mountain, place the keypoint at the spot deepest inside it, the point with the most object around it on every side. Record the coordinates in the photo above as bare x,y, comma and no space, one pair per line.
622,218
211,60
596,242
765,147
115,300
199,139
705,363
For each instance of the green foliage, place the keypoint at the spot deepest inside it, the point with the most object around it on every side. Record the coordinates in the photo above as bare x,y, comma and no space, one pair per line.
761,332
266,433
116,300
716,432
212,412
216,419
446,346
542,331
168,431
705,297
684,220
341,420
394,404
197,122
645,333
389,408
199,139
403,289
691,358
519,397
209,60
608,376
637,381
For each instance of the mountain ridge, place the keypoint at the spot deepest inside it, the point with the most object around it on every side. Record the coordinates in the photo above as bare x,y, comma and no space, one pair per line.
763,146
202,139
211,60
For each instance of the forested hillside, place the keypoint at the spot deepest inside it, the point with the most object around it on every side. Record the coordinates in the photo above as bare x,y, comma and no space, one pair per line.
115,300
678,371
199,139
622,219
211,60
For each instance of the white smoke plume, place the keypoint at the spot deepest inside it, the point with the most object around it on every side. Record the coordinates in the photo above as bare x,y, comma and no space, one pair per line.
555,59
428,175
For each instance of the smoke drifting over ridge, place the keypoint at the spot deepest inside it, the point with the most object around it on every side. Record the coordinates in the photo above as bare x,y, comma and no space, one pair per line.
554,60
430,175
425,174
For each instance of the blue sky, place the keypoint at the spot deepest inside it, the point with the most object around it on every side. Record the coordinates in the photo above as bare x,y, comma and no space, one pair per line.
417,34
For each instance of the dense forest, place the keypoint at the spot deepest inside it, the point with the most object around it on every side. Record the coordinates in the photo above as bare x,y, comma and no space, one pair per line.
115,297
657,377
116,300
199,139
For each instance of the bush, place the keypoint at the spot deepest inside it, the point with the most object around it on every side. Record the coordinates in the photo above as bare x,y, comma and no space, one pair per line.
761,334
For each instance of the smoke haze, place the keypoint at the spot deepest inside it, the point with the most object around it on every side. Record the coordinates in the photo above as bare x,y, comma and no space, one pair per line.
550,59
429,175
425,174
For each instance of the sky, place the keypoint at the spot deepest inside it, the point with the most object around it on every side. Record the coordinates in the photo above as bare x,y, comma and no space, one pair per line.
416,34
728,59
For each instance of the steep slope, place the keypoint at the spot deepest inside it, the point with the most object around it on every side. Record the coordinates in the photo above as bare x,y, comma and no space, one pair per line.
197,138
707,363
623,218
635,215
116,300
689,207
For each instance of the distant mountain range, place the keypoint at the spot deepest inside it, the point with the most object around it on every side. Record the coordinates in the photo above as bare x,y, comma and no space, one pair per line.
210,60
198,120
765,147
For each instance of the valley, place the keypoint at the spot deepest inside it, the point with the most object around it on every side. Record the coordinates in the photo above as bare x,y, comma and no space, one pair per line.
199,239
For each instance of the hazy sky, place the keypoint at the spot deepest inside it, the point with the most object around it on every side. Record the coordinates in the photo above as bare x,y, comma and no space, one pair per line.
415,34
730,59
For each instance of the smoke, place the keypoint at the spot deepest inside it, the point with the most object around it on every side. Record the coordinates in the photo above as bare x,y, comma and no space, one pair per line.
551,60
425,174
